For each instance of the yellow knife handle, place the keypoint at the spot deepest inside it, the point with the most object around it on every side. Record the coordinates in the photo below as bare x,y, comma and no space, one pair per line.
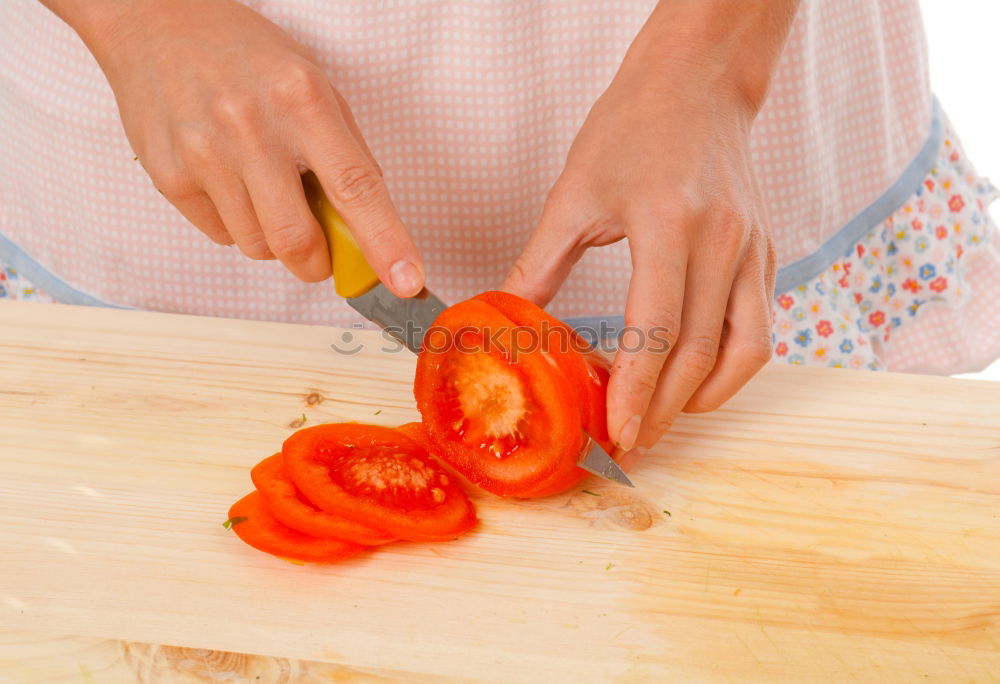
352,276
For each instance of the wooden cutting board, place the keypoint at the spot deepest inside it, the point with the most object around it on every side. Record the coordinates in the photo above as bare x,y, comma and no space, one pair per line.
825,524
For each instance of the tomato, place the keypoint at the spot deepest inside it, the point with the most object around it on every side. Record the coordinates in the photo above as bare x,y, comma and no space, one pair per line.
501,411
585,369
378,477
287,504
255,525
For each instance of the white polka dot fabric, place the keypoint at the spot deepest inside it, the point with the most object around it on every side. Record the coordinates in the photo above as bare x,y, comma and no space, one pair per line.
470,107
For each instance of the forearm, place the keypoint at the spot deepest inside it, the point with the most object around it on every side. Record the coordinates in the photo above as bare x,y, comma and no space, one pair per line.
89,18
728,45
99,23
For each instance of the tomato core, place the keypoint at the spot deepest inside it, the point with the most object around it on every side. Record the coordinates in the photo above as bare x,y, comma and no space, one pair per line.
487,403
387,474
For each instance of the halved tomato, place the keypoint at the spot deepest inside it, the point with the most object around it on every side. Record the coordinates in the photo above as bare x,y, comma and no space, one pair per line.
255,525
379,477
585,369
500,410
287,504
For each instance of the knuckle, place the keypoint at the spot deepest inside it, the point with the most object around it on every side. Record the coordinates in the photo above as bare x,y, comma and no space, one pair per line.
697,357
175,184
755,349
645,381
681,206
674,219
660,324
300,84
292,241
235,112
728,231
657,426
379,233
255,247
196,144
356,185
640,378
662,424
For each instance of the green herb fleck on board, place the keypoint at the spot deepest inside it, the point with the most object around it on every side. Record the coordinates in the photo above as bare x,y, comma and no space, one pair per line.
378,412
587,491
234,521
667,513
135,158
609,566
303,419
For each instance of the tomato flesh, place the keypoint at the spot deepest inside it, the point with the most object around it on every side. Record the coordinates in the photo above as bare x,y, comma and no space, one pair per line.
586,370
287,504
378,477
255,525
500,413
489,404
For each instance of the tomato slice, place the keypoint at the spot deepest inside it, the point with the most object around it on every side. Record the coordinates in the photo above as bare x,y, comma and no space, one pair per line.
500,410
585,369
254,524
287,504
379,477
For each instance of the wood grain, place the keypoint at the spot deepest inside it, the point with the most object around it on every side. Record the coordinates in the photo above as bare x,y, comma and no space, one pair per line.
824,525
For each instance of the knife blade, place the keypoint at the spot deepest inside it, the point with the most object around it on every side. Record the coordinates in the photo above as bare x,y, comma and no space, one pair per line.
405,319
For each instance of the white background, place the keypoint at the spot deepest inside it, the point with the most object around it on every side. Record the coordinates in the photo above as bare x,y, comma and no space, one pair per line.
964,37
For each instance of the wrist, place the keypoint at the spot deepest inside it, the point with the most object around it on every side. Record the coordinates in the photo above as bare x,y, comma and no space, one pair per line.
716,48
101,24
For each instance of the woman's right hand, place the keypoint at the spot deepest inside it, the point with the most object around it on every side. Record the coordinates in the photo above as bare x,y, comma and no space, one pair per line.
225,111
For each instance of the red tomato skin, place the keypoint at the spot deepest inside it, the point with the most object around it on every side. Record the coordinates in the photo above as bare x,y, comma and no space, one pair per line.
289,505
557,423
309,468
261,530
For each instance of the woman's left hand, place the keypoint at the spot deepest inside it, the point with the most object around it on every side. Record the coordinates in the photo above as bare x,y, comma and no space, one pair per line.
663,159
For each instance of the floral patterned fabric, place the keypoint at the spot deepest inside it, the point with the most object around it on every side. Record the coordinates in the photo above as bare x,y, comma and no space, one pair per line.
911,264
846,316
13,286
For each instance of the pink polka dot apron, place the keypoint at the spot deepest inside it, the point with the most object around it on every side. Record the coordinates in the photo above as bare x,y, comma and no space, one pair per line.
885,246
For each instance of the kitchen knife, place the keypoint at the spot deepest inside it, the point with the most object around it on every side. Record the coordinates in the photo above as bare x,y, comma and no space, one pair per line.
406,319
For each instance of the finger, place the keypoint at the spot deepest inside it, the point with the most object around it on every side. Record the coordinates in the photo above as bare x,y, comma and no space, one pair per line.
181,190
355,187
706,293
292,232
547,259
230,197
199,210
352,125
652,317
746,345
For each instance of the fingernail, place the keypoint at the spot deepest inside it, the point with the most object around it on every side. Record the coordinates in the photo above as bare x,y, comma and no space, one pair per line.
629,432
406,278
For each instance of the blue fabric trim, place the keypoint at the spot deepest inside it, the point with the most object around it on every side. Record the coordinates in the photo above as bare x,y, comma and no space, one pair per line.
44,279
839,243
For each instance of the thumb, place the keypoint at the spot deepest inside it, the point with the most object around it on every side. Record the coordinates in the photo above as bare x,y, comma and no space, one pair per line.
546,260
